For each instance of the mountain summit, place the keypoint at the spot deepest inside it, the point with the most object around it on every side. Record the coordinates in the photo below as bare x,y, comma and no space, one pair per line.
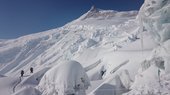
94,9
99,17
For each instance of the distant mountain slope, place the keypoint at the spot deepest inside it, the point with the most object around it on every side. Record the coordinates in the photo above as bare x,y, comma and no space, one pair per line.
95,28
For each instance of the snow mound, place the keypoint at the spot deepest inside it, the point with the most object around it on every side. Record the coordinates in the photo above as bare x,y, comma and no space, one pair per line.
65,78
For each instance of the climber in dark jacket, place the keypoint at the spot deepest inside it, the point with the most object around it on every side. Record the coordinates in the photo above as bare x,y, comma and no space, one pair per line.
22,73
31,69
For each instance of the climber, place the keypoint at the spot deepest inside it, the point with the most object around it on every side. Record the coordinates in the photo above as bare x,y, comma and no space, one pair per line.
31,70
103,72
22,73
159,79
159,72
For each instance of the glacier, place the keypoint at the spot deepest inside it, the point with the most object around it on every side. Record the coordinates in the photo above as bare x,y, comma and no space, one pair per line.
116,53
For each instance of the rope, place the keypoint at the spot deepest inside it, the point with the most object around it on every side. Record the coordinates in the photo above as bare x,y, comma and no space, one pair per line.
141,34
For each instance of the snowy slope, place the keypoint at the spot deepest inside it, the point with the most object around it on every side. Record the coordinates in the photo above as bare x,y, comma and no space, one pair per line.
114,48
61,44
91,33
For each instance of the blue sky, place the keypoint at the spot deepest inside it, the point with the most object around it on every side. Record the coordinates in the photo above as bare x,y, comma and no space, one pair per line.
22,17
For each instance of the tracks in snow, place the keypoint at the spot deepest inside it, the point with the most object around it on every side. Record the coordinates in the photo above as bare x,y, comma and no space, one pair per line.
17,84
115,69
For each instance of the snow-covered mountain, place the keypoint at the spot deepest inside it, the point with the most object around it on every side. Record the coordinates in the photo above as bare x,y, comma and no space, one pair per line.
121,53
63,43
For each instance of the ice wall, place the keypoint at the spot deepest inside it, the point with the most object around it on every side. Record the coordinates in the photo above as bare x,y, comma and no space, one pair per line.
154,17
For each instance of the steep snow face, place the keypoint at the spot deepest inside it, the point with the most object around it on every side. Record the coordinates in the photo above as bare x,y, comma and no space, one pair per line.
153,77
65,78
57,45
91,40
154,16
